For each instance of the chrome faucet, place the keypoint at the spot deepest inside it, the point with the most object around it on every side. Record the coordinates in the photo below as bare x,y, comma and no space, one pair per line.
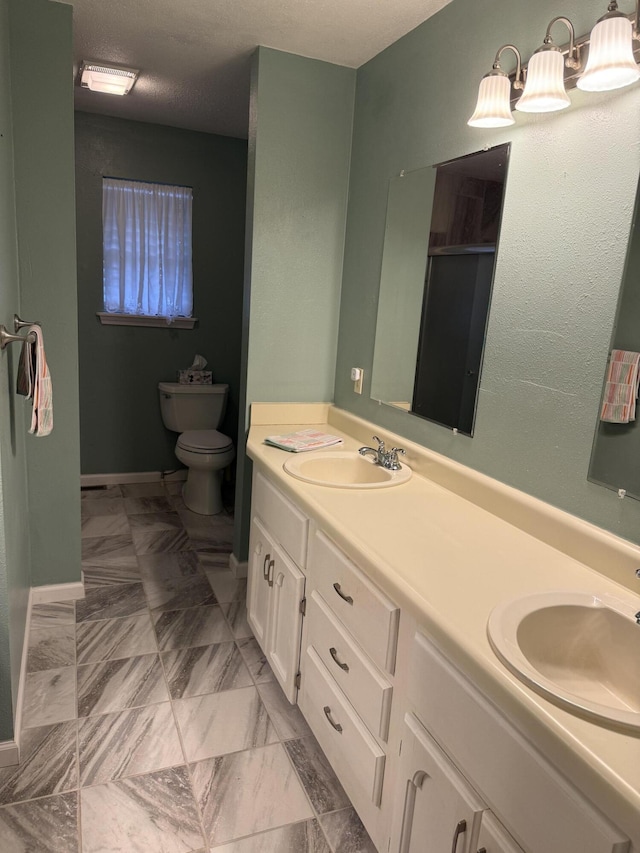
387,458
378,454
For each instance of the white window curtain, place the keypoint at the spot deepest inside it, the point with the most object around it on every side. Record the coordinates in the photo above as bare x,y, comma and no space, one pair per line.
147,249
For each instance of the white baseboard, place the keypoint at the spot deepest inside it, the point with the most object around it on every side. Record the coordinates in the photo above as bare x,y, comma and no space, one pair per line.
9,753
179,476
238,569
133,477
10,749
57,592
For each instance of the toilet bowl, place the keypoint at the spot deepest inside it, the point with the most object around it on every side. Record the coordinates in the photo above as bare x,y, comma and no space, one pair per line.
195,411
206,453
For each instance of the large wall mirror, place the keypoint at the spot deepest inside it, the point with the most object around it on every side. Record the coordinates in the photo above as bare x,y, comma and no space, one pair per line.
441,239
615,459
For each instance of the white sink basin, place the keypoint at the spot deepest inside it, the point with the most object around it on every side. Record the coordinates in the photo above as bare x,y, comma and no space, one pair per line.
581,651
343,469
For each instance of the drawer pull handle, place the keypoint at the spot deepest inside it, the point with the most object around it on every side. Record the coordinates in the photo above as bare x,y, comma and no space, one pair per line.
460,829
270,572
327,713
265,567
334,655
482,850
344,597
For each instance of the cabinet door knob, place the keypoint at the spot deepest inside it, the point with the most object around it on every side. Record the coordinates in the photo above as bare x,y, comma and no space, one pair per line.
460,829
334,655
344,597
327,713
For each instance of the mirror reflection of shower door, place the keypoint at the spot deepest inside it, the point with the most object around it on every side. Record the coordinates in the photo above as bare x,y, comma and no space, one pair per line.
454,319
445,220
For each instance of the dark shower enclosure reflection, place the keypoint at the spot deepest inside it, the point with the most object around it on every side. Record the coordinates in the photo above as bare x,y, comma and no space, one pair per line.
463,240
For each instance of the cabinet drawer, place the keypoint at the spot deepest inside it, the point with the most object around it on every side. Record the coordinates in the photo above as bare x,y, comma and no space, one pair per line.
351,750
538,806
283,520
369,615
364,686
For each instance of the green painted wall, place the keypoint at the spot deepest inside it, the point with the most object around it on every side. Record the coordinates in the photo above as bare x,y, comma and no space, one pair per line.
39,500
14,544
299,145
120,367
41,34
567,213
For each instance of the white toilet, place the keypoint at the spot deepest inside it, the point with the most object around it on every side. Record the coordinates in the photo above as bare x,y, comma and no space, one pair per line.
195,411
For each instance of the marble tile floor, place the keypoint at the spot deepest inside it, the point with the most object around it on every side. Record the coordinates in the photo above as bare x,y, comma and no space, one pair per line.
152,720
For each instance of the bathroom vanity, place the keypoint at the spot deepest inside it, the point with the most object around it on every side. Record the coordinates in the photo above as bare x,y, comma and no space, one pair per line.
372,608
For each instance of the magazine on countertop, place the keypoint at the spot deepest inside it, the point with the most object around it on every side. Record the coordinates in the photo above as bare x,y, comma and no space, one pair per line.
303,440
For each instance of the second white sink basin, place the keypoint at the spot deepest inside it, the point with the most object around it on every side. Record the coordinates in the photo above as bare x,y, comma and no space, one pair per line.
343,469
583,651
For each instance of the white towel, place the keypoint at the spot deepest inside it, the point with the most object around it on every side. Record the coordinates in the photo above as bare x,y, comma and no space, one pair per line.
42,391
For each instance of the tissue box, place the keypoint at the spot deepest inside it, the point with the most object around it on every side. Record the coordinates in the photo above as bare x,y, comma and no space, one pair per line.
195,377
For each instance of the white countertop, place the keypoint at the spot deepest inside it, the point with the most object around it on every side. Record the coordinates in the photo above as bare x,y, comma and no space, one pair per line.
450,562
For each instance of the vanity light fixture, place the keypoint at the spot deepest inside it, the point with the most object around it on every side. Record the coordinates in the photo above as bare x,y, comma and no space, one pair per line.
544,90
111,79
611,64
493,108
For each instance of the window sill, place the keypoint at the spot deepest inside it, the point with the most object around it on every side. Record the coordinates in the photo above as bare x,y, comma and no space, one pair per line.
141,320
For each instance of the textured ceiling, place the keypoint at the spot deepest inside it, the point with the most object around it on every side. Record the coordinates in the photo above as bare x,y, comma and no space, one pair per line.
194,55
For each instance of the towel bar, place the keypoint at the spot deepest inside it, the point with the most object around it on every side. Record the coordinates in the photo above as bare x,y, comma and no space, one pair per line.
7,338
19,324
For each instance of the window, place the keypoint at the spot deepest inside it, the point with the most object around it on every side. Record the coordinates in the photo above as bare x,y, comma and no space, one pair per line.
146,252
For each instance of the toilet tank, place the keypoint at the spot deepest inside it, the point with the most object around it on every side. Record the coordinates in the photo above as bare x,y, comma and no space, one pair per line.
186,407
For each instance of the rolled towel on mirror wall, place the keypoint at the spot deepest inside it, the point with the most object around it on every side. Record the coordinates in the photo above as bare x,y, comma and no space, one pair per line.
621,387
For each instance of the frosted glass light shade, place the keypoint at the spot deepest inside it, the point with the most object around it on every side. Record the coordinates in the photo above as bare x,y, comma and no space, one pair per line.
493,108
544,90
610,64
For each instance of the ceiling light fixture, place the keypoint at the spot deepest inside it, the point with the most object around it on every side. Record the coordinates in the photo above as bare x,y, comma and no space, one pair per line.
111,79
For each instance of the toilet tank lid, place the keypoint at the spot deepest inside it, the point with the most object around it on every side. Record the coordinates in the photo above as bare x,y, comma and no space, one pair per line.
178,388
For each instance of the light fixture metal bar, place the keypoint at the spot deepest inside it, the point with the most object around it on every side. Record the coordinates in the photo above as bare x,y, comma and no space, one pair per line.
581,45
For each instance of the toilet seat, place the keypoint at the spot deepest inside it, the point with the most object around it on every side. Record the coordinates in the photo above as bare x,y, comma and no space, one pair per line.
204,441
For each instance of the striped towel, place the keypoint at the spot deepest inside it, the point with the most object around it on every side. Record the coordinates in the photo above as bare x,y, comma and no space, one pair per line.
34,382
621,387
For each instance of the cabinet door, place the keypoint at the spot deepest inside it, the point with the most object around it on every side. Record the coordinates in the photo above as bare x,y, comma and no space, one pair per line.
439,812
494,838
285,622
261,565
487,747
